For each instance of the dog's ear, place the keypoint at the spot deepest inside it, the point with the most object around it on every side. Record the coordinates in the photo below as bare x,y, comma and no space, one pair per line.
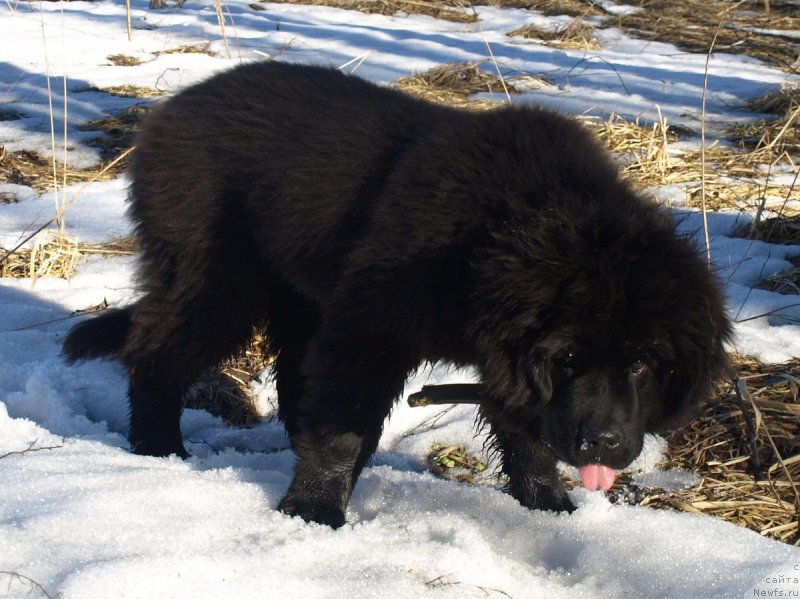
688,385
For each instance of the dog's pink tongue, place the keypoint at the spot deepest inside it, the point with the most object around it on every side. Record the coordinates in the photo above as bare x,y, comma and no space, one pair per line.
596,476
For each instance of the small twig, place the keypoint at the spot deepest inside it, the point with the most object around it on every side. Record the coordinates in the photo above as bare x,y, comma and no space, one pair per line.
441,581
429,422
30,449
608,64
27,580
770,313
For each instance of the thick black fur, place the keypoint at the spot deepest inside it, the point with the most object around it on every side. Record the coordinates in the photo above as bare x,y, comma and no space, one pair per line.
369,232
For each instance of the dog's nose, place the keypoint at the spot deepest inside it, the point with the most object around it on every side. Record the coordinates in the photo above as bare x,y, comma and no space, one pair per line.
595,442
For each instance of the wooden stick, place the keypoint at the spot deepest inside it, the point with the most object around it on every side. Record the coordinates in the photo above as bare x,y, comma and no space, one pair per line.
469,393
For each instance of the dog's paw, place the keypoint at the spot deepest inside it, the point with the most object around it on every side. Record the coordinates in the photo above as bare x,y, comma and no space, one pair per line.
312,511
159,449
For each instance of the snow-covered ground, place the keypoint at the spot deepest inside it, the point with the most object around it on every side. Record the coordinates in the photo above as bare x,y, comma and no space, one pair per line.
80,517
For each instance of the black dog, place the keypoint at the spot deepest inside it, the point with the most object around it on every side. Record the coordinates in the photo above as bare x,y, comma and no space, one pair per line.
370,231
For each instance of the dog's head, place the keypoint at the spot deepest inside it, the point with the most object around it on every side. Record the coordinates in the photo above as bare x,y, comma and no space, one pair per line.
592,337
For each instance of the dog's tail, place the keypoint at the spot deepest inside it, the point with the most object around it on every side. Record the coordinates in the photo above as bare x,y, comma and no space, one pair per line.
98,337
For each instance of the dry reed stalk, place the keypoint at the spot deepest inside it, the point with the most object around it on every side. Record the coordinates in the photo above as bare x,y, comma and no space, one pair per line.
221,23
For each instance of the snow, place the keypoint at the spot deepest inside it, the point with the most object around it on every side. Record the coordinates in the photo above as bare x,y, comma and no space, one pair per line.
81,517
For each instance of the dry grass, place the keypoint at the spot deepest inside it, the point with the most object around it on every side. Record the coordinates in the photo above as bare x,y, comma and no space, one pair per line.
29,168
572,8
51,256
188,49
734,178
578,35
746,448
448,10
453,84
130,91
121,60
644,149
777,138
787,281
56,255
118,133
692,24
783,229
225,392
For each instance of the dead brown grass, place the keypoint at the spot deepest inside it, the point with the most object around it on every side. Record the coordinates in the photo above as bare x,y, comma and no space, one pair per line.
734,178
225,392
56,255
779,229
787,281
577,35
130,91
776,138
118,133
453,84
746,447
448,10
692,24
572,8
28,168
188,49
122,60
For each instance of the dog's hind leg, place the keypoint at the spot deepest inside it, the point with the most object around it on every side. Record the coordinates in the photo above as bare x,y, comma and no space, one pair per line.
175,337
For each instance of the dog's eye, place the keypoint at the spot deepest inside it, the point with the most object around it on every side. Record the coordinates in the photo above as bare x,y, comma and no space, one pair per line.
566,358
638,368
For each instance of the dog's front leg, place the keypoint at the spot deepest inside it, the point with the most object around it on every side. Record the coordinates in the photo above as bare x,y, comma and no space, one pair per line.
531,468
349,390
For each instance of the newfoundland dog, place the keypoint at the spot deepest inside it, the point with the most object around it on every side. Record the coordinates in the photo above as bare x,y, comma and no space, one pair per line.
370,231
